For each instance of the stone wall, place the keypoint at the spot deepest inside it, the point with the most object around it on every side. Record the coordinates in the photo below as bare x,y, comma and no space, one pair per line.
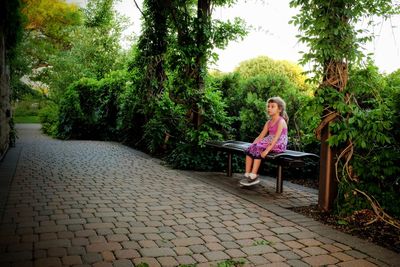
5,108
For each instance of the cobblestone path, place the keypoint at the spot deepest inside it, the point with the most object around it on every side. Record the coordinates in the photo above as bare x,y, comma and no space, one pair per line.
91,203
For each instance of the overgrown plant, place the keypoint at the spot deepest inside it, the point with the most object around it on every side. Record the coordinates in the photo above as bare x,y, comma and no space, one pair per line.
189,151
329,30
171,56
90,108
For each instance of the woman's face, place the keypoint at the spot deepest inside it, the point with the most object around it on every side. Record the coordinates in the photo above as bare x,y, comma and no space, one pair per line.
273,109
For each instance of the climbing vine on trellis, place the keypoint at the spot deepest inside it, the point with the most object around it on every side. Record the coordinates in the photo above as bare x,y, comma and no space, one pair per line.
329,29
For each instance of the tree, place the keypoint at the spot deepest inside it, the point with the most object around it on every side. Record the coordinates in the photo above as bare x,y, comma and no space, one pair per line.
51,19
265,65
151,48
197,35
175,45
329,29
93,52
47,28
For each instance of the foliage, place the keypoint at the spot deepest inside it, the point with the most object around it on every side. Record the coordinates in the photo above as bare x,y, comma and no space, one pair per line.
131,117
253,82
189,52
11,22
329,30
76,121
89,108
99,14
160,132
264,65
28,107
190,151
246,102
151,48
108,97
372,131
51,18
58,48
13,132
255,92
47,28
94,53
10,33
306,120
168,75
21,90
231,263
49,119
360,118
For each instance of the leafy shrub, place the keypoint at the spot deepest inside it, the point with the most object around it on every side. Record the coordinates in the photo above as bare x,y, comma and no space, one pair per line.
371,125
89,108
49,119
29,105
255,92
109,91
131,114
77,113
264,65
190,151
160,132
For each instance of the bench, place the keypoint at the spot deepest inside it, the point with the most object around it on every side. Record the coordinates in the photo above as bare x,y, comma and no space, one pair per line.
289,158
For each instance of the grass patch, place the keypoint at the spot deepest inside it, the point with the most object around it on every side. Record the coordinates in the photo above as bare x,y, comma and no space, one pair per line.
26,119
262,242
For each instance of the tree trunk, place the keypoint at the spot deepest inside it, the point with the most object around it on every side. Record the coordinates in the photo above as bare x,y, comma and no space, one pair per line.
203,25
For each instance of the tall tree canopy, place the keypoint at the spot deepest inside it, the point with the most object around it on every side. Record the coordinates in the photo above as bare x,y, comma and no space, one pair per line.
179,36
51,18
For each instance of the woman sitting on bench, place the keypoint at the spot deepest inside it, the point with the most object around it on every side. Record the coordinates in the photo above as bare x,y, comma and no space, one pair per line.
275,141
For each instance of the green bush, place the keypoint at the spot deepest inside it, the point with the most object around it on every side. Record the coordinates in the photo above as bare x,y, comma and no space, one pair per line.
49,119
254,93
372,124
109,91
160,132
29,105
89,108
131,114
77,110
190,151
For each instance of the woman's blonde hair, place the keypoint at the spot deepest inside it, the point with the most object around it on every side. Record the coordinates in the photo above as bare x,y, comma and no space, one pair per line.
281,105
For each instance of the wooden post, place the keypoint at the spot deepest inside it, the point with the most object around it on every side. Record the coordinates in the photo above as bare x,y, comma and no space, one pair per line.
279,180
229,172
327,176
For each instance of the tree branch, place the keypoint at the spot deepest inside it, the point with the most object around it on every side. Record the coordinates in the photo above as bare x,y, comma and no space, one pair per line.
137,6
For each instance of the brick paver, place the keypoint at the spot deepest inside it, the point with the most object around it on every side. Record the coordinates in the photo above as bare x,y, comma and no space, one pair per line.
92,203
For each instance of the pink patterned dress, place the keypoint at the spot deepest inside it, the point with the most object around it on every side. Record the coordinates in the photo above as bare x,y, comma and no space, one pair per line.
255,150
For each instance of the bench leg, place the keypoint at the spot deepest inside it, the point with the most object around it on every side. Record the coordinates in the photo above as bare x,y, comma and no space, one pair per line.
279,180
229,170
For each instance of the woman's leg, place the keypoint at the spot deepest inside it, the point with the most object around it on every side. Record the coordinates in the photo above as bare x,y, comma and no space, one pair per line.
249,164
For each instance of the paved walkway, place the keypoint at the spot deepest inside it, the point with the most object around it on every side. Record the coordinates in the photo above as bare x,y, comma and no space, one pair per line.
90,203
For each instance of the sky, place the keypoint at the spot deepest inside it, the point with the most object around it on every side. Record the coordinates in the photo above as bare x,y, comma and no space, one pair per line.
274,37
